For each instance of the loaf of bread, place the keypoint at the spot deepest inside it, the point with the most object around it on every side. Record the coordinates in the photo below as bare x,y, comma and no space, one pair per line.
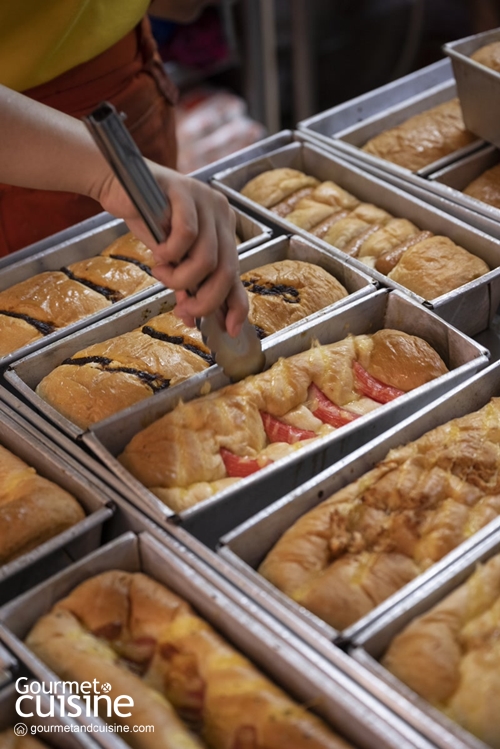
486,187
450,656
489,55
32,509
427,264
110,376
424,138
147,642
203,445
369,539
9,740
54,299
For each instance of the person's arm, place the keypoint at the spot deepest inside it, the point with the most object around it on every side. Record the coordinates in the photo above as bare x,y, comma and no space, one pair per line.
44,149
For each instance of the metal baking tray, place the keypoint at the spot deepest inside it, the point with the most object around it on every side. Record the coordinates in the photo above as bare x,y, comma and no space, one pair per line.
246,546
25,374
348,709
371,645
478,86
469,307
8,665
212,518
58,732
92,242
348,126
52,463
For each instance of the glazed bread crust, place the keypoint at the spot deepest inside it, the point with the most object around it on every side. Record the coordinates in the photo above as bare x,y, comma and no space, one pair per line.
369,539
182,668
486,187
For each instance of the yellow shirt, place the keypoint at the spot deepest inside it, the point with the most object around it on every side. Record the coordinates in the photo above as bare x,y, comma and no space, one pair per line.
40,39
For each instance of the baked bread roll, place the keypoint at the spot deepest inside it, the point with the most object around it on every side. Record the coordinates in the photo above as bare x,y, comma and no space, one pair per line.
424,138
486,187
110,376
489,56
270,188
52,300
434,265
147,642
243,427
9,740
366,541
450,656
32,509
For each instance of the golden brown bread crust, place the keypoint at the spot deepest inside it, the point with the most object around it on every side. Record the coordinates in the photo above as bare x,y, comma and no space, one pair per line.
272,187
372,537
180,658
435,266
486,187
183,448
32,509
9,740
128,246
489,55
424,138
118,278
450,655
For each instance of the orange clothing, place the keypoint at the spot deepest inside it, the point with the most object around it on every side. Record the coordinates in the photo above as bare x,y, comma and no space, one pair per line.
130,75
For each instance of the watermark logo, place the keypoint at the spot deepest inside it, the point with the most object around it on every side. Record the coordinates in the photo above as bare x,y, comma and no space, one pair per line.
20,729
70,699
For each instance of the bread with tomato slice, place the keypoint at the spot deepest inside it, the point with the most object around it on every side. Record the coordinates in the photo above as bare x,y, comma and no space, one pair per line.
32,508
368,540
52,300
184,678
450,655
184,456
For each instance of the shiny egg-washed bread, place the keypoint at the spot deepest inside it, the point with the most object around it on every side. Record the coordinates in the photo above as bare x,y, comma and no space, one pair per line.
489,56
32,508
369,539
199,446
486,187
148,643
9,740
450,656
52,300
380,241
107,377
424,138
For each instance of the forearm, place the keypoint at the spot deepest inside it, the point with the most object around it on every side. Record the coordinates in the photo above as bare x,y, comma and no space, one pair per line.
44,149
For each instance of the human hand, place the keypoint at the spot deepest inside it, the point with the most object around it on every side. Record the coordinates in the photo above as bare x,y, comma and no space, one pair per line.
199,258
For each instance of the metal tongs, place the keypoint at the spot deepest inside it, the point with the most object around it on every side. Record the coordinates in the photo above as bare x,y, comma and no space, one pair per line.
238,357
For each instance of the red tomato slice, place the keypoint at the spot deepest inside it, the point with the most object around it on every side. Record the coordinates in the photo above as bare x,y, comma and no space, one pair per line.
373,388
328,412
239,467
278,431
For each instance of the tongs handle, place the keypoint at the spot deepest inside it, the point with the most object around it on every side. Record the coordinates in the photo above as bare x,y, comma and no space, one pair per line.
130,168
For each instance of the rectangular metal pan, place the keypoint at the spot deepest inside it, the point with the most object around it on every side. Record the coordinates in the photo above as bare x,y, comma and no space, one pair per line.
212,518
58,732
52,463
469,308
245,547
346,707
348,126
478,86
25,374
8,665
91,243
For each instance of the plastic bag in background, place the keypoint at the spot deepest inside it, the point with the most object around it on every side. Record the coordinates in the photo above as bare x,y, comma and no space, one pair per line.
212,124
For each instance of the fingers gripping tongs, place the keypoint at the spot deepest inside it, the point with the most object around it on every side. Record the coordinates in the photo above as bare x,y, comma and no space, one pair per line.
238,357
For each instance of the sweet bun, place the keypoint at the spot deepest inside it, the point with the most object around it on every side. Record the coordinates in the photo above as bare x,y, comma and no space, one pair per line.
32,509
271,187
489,56
486,187
369,539
450,655
186,680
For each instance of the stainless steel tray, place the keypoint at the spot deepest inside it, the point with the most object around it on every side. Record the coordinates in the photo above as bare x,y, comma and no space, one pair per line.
348,126
469,308
25,374
8,665
246,546
478,86
346,707
58,732
52,463
210,519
